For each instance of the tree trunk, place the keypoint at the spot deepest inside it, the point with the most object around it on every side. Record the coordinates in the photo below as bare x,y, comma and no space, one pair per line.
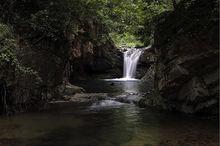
174,3
3,95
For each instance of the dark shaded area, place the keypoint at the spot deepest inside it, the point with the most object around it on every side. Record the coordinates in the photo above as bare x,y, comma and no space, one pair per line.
53,42
187,46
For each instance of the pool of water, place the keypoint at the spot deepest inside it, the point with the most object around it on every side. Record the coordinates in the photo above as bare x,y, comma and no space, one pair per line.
107,123
114,86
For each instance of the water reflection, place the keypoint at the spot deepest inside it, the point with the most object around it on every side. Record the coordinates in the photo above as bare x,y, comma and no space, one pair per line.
112,86
126,125
130,87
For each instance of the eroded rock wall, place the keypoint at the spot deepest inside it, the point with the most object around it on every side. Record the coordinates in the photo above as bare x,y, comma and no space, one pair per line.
94,55
187,68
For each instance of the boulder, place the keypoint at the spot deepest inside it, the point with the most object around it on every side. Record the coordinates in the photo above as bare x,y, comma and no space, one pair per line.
87,97
66,90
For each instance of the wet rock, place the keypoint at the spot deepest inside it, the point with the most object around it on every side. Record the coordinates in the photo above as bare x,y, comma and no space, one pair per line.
128,98
147,59
87,97
68,89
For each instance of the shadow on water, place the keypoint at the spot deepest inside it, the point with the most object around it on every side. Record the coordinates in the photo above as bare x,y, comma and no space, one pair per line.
97,133
67,128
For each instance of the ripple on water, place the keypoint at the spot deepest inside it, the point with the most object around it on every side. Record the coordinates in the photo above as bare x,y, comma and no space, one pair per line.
106,104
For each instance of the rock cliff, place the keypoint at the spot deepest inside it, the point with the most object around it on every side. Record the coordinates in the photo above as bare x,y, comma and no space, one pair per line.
20,86
94,55
187,66
56,48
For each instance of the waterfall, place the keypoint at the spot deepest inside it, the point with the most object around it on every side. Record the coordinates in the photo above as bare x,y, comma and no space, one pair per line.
131,57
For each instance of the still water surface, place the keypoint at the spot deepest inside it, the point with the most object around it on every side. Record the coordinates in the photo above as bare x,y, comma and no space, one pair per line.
106,123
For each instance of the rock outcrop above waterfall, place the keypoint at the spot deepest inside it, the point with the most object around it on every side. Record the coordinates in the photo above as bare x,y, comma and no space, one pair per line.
187,67
94,56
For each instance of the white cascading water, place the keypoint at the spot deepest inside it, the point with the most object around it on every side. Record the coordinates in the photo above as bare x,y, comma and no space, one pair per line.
131,57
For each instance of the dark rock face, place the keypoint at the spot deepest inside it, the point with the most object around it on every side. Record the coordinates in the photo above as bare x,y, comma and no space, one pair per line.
187,69
57,62
19,91
146,60
146,65
43,58
20,86
93,57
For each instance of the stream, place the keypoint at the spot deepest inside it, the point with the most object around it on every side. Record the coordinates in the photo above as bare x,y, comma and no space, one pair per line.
107,123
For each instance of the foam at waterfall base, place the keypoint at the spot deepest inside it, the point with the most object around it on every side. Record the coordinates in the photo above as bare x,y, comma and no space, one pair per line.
122,79
131,57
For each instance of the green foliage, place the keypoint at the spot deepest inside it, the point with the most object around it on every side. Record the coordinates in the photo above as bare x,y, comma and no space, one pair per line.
48,18
122,18
57,18
8,58
152,10
131,21
7,45
126,40
128,21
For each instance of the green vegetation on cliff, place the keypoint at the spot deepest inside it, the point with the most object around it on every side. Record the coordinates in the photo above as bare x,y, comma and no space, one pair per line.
8,56
16,80
126,21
